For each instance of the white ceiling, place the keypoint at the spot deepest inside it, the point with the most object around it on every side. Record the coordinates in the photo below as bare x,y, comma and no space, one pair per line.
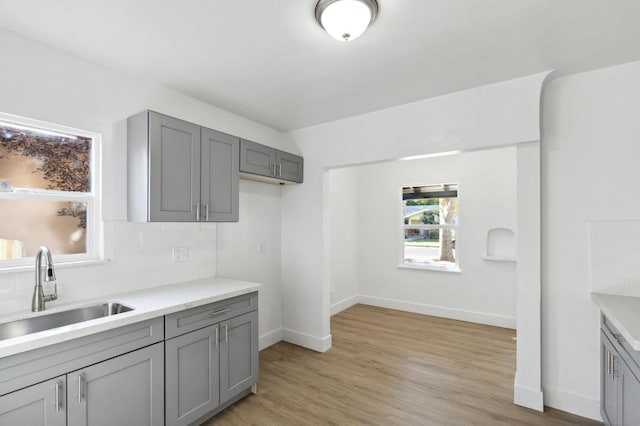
269,61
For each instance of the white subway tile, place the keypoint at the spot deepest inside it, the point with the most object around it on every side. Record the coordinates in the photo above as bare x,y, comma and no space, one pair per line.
209,226
631,255
632,226
607,238
607,225
8,283
181,226
607,284
161,239
207,271
632,287
127,235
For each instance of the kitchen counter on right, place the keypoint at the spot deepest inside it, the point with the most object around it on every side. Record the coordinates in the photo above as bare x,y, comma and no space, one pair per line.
624,314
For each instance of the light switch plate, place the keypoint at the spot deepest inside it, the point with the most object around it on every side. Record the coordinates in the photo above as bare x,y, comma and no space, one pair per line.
180,254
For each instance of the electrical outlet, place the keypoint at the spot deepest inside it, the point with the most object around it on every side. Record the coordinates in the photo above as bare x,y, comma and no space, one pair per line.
180,254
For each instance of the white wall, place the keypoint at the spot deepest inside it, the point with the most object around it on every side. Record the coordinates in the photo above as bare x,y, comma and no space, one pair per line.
342,222
489,116
590,172
484,291
250,250
50,85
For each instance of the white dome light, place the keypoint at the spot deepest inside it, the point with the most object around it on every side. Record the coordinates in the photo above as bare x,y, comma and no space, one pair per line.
346,20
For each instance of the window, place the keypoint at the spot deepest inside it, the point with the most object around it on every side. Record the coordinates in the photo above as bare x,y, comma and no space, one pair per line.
430,223
48,192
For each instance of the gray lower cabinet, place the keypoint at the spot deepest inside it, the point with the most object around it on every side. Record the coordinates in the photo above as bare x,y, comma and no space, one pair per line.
38,405
619,379
192,375
173,370
212,360
262,160
126,390
238,355
179,171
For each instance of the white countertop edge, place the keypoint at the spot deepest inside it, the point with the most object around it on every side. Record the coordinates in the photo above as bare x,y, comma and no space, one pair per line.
149,303
624,314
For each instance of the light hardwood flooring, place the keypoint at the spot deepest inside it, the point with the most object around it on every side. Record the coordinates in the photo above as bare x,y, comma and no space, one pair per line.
389,367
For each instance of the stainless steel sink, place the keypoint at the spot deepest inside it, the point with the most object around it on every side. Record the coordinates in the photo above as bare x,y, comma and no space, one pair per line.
26,326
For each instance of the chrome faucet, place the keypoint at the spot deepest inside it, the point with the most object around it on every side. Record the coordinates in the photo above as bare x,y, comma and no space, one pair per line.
39,298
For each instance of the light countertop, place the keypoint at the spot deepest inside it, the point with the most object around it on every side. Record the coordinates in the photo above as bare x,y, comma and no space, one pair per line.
624,314
149,303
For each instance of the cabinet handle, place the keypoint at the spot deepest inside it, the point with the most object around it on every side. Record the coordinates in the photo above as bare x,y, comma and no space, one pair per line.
226,332
57,397
216,336
220,312
274,169
79,388
280,170
198,211
617,336
609,364
206,212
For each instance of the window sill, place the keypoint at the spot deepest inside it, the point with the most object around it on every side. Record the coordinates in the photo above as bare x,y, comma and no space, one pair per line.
57,265
437,268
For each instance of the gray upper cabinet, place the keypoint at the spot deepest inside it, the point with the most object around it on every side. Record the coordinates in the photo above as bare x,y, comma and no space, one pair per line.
257,159
219,176
179,171
290,167
276,165
38,405
126,390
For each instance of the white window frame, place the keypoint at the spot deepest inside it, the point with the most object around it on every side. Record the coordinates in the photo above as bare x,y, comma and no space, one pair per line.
442,267
93,199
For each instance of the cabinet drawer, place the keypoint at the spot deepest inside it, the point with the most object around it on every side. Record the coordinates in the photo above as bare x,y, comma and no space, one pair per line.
621,345
203,316
21,370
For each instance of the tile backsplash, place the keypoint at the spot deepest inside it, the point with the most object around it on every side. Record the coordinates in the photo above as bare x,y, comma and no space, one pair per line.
139,255
615,256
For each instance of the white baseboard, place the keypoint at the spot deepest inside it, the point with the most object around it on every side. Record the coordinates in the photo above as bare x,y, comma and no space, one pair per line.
270,338
438,311
580,405
343,304
318,344
525,396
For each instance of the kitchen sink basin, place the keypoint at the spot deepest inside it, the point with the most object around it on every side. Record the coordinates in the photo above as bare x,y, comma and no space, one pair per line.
26,326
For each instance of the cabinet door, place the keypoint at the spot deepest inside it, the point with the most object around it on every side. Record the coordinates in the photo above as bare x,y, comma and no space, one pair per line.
630,389
238,355
608,383
220,176
41,404
192,382
289,166
125,390
257,159
174,169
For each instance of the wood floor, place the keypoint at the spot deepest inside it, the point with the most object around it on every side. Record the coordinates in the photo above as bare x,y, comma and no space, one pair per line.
389,367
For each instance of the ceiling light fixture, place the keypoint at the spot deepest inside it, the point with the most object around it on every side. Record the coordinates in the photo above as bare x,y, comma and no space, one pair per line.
346,20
